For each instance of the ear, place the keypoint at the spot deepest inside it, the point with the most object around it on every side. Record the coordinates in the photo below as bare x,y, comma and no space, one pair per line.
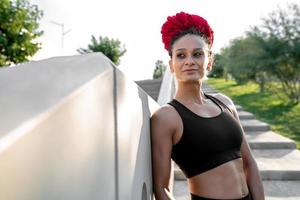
171,66
209,66
210,62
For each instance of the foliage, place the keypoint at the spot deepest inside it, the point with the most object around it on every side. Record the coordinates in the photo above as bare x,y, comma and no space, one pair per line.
109,47
269,54
241,64
280,43
18,30
159,70
218,67
281,33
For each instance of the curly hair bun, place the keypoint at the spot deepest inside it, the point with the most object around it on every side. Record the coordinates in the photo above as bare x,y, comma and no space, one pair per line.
183,21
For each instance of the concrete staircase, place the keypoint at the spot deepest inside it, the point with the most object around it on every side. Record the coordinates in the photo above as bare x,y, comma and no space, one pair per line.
151,86
277,157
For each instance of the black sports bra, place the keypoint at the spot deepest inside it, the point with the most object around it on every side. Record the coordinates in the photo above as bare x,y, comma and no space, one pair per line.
206,142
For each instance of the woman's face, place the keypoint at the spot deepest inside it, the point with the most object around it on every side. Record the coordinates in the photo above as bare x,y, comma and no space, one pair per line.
190,58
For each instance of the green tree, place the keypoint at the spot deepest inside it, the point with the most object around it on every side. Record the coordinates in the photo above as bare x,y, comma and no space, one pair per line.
279,38
218,67
159,70
19,23
269,53
240,63
222,60
109,47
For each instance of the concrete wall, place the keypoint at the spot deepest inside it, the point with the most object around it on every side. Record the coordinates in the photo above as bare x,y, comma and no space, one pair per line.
73,128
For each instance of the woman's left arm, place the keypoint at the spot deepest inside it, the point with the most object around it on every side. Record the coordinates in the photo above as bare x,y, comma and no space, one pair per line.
254,180
253,177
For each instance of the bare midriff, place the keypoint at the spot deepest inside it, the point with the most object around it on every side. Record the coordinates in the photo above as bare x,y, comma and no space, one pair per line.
226,181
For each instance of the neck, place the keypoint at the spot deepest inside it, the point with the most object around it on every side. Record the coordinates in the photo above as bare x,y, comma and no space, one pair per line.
190,92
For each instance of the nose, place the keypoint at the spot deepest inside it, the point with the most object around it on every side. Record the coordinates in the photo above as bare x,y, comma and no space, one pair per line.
189,61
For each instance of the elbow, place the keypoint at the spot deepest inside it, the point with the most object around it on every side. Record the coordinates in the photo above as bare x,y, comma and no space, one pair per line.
250,165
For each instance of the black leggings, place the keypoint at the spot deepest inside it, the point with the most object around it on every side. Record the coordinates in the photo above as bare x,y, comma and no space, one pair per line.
196,197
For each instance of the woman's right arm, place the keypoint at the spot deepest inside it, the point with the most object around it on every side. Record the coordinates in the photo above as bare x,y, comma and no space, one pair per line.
162,129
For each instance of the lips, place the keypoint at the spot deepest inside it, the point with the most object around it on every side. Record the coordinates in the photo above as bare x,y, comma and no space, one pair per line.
190,70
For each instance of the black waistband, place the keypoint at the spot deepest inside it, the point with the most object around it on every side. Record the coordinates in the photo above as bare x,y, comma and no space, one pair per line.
196,197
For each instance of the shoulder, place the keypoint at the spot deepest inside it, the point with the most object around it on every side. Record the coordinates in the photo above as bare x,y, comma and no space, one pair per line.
164,112
165,116
164,122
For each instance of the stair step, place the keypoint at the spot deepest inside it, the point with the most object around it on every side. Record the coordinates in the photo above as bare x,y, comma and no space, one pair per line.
282,190
152,92
238,108
151,87
279,164
254,125
269,140
245,115
207,89
149,84
274,190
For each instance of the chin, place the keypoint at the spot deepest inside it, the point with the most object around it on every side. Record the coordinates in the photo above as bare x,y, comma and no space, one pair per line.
191,80
194,78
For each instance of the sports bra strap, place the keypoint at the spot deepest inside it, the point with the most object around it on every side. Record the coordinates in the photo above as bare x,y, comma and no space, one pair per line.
218,100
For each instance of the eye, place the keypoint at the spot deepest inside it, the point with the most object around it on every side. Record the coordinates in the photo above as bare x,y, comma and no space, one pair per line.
198,54
180,55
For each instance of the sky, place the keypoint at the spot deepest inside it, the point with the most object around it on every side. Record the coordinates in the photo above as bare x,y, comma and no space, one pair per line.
137,24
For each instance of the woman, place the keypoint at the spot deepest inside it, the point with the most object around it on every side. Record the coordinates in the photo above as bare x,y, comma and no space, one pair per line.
200,132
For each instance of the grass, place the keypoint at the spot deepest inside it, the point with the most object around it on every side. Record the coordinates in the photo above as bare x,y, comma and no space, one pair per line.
282,116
